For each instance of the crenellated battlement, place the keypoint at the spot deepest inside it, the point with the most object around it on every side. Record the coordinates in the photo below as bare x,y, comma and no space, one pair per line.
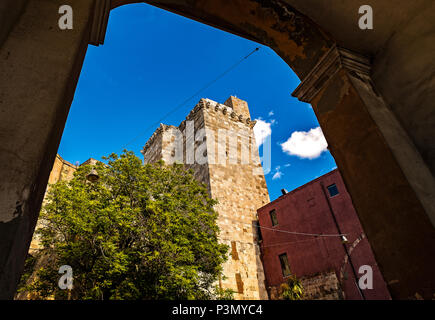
225,110
214,109
156,134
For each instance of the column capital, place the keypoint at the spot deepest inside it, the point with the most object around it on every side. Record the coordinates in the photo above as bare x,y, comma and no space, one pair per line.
99,22
332,61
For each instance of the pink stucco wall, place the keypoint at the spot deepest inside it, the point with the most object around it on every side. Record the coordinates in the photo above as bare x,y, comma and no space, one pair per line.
306,210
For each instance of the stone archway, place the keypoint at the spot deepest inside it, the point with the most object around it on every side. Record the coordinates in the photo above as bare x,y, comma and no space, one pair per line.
390,184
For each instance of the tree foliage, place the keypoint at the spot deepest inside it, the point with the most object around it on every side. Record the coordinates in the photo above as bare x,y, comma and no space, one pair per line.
292,289
139,232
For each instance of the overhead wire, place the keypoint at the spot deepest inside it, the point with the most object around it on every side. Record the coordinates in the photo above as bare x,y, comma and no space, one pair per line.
289,232
192,96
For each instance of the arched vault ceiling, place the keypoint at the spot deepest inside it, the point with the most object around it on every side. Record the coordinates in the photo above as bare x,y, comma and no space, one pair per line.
340,19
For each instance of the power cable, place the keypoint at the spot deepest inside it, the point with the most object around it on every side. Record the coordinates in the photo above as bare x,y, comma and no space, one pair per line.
303,233
192,96
289,232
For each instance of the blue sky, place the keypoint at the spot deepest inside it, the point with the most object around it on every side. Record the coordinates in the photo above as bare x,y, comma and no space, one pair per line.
152,60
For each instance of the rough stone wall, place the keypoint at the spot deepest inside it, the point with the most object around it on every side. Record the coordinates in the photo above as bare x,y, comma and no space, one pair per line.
322,286
152,151
240,189
232,172
195,148
62,170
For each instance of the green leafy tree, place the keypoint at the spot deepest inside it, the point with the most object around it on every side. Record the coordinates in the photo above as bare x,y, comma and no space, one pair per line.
138,232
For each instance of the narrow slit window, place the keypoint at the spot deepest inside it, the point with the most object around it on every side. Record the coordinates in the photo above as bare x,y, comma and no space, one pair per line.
234,252
273,217
239,283
285,267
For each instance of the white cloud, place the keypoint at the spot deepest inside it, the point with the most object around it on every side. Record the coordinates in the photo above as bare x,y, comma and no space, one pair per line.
277,175
271,113
262,130
306,144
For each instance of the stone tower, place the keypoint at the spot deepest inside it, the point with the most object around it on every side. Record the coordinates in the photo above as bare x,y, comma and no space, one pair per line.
217,142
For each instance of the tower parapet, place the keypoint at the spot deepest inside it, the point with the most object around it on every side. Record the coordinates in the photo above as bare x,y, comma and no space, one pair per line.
239,106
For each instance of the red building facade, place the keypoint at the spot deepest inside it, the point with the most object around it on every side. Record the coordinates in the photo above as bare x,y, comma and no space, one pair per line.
298,232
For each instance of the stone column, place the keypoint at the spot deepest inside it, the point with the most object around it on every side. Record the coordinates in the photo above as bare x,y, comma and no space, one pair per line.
39,68
392,189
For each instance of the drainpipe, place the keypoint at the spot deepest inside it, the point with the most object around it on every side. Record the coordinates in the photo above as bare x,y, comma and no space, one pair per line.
344,244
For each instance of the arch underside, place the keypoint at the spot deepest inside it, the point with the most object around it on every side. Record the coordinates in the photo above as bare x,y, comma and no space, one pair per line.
296,39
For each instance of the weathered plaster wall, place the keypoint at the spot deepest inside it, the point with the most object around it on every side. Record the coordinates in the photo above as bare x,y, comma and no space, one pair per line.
388,208
310,209
404,73
39,68
401,45
10,10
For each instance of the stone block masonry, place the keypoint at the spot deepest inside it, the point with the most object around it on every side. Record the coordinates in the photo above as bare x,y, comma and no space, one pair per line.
321,286
217,142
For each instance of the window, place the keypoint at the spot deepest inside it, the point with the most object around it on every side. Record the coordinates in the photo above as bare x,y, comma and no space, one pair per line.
234,252
273,217
239,283
284,265
333,191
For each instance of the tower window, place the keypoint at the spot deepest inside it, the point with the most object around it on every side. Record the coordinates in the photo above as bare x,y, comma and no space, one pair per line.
239,283
284,265
234,252
273,217
332,189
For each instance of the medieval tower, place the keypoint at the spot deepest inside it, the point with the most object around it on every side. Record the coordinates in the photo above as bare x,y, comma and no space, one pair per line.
217,142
